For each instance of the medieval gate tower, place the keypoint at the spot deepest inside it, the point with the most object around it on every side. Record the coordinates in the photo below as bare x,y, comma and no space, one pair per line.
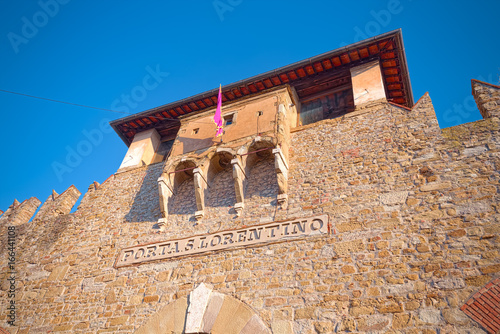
332,203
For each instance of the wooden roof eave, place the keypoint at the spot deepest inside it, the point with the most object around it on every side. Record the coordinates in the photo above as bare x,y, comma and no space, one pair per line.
395,35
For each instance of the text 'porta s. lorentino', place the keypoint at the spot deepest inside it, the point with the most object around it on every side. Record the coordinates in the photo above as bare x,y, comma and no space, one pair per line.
260,234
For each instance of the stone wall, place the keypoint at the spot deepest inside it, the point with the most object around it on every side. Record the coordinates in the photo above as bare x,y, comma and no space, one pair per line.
487,97
414,215
20,213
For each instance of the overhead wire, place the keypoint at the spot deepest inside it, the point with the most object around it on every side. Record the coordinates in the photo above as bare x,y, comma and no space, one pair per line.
64,102
81,105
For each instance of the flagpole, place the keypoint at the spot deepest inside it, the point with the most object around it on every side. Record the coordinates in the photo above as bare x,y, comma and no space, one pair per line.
220,95
220,92
218,115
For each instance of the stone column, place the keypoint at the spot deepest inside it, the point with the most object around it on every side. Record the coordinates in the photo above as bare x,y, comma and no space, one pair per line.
165,195
281,167
283,130
200,184
238,176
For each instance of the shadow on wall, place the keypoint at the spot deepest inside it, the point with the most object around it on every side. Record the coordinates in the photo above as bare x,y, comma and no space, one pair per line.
40,225
184,200
261,182
146,204
261,189
51,232
37,237
221,189
219,193
191,144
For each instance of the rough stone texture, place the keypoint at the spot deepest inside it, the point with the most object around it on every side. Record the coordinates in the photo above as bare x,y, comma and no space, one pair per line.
415,228
487,97
392,198
282,327
20,213
57,205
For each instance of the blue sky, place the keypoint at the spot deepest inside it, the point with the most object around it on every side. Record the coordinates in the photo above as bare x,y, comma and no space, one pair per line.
101,54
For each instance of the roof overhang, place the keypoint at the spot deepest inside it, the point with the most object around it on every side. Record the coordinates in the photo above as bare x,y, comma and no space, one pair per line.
388,48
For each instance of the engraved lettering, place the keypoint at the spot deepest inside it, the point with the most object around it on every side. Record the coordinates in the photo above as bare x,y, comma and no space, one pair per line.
256,234
202,243
189,245
285,229
316,224
228,238
127,254
163,247
218,240
300,225
139,254
151,251
271,230
224,240
242,236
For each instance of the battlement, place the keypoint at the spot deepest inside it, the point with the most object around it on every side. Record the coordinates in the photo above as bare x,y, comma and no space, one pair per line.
54,206
57,205
487,98
20,213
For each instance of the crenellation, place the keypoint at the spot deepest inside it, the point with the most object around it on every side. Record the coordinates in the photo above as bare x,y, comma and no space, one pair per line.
57,205
45,206
21,213
9,210
487,98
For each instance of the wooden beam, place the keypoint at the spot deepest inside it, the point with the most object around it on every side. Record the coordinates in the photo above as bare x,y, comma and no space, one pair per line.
326,92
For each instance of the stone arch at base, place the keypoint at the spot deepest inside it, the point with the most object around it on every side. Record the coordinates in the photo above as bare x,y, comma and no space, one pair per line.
205,311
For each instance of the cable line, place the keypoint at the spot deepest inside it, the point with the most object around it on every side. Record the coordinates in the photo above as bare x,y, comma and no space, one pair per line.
73,104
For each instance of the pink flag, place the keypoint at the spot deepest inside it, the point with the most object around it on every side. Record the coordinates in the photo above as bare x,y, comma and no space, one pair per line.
218,115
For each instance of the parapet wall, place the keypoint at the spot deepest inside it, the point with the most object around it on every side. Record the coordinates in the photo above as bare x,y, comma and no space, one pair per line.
55,205
20,213
414,215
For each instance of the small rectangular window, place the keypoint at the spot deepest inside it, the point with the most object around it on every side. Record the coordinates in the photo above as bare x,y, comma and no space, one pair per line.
228,120
195,131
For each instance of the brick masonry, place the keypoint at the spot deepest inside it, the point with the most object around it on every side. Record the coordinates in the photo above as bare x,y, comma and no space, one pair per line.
484,306
414,211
